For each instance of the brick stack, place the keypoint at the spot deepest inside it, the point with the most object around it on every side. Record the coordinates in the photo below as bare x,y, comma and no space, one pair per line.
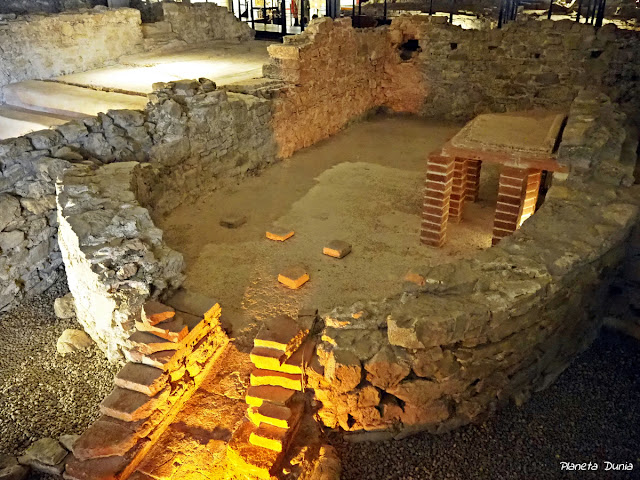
472,188
275,403
435,212
517,196
170,355
458,190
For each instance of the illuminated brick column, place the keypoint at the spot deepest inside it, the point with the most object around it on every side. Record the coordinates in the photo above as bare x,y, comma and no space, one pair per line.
437,193
458,190
517,196
473,180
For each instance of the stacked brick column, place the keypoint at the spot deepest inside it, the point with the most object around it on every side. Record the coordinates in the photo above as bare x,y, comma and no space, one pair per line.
517,196
473,180
275,404
458,190
437,195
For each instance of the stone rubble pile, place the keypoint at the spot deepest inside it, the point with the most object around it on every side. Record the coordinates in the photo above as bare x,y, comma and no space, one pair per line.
275,401
167,363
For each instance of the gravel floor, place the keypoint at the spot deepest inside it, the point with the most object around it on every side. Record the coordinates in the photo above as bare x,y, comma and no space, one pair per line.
42,393
591,414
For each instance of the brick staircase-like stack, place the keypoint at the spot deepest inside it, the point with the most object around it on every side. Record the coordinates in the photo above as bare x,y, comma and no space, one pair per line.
275,400
172,352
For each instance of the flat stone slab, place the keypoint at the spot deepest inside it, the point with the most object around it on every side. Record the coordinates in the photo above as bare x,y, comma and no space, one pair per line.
173,329
251,459
277,379
233,221
270,437
195,304
271,414
68,100
221,61
281,333
148,343
520,139
257,395
530,132
130,406
105,438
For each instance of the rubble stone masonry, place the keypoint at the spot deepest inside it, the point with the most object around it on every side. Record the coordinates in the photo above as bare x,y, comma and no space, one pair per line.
203,22
188,140
336,74
524,65
43,46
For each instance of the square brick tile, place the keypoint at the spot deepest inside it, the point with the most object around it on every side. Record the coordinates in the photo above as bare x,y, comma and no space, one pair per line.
337,249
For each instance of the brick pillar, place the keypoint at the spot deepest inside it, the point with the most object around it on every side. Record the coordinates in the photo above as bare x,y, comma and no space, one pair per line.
437,193
473,180
517,195
458,190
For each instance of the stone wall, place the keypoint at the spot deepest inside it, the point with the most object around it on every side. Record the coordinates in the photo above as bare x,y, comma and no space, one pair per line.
30,256
203,22
189,140
420,64
114,255
44,46
200,136
48,6
526,64
336,74
480,332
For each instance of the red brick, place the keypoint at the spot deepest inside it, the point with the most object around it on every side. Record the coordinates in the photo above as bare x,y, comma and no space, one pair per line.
155,312
195,304
105,438
130,406
173,329
148,343
141,378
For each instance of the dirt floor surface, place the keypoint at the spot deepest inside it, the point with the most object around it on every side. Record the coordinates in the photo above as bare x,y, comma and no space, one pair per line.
363,186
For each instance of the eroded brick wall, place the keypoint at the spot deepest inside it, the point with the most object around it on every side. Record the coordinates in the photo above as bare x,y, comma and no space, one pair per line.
336,74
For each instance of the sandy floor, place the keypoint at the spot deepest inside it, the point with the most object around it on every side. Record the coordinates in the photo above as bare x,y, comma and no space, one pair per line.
222,62
363,186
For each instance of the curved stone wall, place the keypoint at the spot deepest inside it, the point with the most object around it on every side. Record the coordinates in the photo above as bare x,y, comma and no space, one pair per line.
114,255
480,332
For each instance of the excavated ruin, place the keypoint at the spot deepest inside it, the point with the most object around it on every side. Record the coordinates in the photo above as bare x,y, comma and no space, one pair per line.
378,316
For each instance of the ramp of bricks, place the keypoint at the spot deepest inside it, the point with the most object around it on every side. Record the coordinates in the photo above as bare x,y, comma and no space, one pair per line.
171,354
